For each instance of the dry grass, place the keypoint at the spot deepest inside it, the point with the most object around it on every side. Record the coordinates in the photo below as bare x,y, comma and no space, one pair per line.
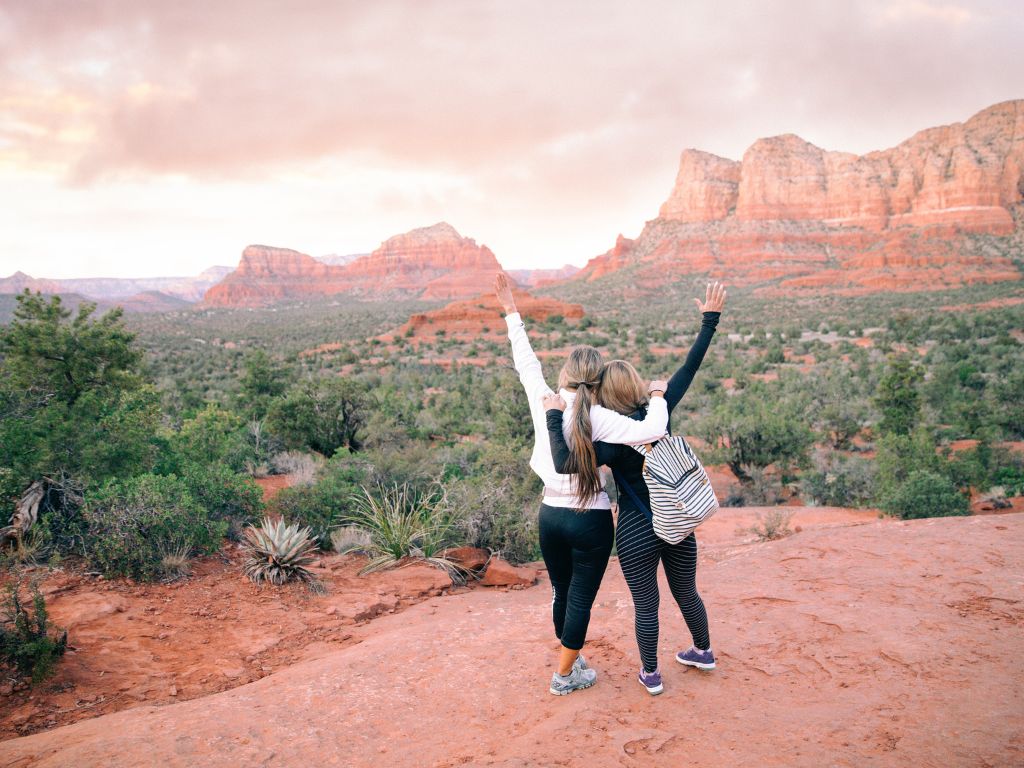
773,525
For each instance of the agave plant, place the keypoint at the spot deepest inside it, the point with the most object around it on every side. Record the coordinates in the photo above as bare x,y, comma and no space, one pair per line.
278,552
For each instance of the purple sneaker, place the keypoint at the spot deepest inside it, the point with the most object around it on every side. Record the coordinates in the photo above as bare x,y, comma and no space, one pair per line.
697,658
651,681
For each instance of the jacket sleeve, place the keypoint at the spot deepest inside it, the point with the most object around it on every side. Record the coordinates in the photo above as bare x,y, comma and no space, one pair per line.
612,427
681,379
531,375
559,448
606,452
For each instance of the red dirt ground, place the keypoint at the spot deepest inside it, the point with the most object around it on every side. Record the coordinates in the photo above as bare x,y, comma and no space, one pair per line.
162,643
885,644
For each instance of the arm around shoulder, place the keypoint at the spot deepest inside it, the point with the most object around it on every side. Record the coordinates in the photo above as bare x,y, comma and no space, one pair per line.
612,427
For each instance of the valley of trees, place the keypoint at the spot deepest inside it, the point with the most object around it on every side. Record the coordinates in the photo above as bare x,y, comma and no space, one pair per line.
143,433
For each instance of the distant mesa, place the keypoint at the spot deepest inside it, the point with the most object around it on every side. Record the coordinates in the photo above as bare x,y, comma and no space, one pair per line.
134,294
429,263
19,282
942,209
468,318
534,278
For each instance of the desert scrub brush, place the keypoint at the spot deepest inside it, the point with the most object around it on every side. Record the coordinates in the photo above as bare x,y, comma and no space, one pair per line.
278,553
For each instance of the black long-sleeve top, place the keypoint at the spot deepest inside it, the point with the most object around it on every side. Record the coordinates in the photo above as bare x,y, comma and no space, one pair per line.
624,460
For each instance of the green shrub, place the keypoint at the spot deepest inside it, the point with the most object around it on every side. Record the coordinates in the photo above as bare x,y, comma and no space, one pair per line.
73,401
324,504
322,414
134,524
25,640
897,396
758,427
498,509
926,494
213,436
839,481
897,456
225,495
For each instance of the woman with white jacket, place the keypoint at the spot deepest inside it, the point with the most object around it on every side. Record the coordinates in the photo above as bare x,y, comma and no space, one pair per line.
575,520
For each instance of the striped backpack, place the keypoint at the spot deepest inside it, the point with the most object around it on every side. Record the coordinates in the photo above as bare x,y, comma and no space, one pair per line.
680,491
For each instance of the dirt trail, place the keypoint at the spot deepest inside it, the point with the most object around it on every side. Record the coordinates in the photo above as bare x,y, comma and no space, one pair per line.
883,644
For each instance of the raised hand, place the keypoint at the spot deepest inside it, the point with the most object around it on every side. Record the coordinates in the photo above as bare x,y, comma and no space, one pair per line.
714,298
657,385
503,290
553,400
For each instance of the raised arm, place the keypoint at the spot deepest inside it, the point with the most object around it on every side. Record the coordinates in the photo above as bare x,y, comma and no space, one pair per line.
711,310
531,374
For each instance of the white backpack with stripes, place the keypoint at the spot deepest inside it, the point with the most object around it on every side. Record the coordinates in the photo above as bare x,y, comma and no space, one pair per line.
681,494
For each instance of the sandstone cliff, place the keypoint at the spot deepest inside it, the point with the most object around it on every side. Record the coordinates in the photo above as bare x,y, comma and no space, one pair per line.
431,263
931,212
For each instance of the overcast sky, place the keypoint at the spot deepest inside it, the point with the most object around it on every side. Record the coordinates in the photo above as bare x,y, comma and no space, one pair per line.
151,137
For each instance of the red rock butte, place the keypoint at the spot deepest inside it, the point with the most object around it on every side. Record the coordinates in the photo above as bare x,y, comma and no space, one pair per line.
429,263
944,208
466,318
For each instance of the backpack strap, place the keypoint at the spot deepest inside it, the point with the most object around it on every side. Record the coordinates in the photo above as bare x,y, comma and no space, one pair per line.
632,494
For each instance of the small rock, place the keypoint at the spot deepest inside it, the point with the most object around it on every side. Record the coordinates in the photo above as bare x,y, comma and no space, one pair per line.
470,558
231,672
500,573
173,691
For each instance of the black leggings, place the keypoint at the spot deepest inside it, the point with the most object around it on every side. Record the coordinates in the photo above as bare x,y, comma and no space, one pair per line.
576,546
640,551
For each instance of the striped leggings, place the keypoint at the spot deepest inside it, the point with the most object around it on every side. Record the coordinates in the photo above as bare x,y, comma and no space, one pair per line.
640,551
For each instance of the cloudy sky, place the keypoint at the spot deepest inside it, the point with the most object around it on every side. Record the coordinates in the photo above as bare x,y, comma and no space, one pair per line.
149,137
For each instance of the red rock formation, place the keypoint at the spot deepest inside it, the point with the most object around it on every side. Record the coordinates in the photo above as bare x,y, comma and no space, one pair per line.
936,211
430,263
266,274
468,318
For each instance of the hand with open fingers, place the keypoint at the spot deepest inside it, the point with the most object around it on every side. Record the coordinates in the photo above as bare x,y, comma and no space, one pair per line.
503,290
553,400
714,298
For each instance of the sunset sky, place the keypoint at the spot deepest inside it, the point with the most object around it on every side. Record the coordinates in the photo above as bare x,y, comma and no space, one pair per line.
159,137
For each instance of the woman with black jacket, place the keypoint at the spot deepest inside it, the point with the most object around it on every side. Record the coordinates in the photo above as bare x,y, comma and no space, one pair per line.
639,549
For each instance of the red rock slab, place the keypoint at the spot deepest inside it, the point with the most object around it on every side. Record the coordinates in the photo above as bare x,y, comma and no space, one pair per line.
833,647
733,524
156,643
500,573
470,558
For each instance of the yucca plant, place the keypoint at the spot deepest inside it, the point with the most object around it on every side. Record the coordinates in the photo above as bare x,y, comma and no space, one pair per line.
404,523
278,552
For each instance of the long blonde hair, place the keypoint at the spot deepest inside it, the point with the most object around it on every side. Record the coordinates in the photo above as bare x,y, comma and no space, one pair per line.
582,372
622,390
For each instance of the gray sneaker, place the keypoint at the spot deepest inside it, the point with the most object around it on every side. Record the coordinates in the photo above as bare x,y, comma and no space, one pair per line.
581,662
576,680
